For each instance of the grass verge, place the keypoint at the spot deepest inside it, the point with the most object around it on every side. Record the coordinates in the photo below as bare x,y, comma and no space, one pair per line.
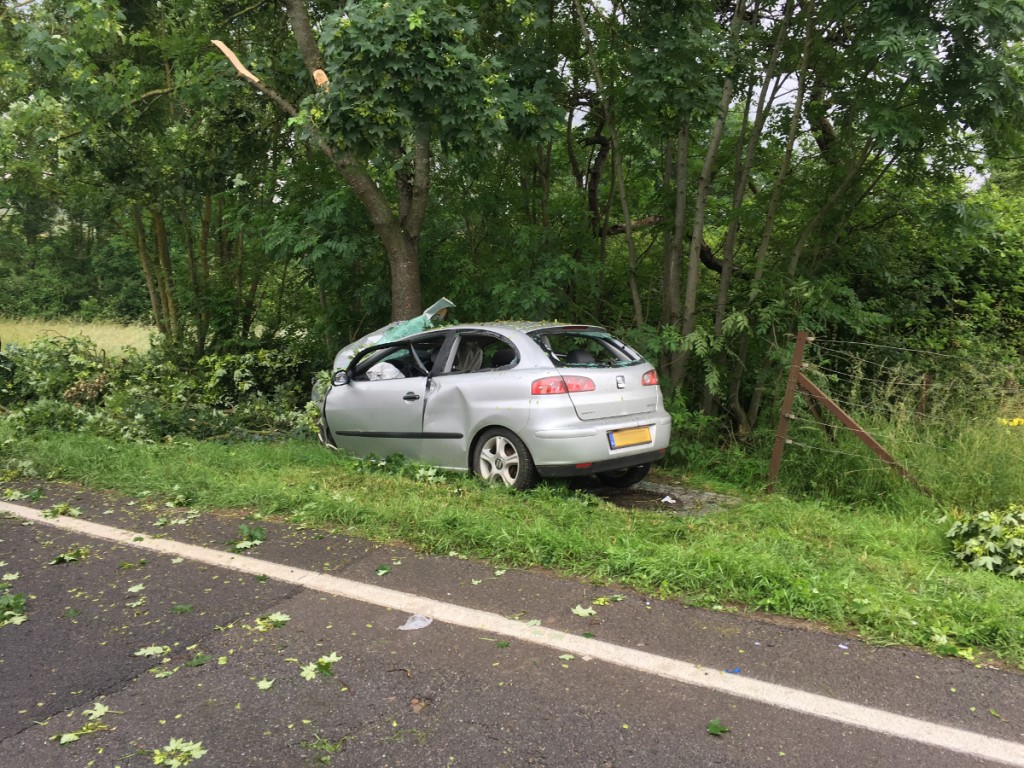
885,575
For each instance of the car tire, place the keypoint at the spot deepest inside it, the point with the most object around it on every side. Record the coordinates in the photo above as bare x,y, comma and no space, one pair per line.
624,478
501,457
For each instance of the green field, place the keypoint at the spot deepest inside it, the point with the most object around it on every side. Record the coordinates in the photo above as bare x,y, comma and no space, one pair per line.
111,338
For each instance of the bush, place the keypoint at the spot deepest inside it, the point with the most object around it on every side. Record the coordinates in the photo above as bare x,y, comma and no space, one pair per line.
47,368
65,384
990,540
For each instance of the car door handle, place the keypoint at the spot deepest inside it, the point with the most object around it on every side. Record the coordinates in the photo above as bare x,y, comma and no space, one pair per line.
410,396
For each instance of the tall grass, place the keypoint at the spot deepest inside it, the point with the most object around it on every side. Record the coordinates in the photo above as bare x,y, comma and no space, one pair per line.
865,568
958,442
111,338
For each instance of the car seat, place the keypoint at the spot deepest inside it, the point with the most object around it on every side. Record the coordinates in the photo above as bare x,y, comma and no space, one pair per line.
469,357
580,357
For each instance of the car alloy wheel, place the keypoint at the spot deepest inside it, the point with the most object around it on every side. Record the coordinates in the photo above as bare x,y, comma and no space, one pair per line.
501,457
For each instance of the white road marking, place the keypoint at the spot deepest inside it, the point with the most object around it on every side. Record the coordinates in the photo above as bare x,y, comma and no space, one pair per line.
868,718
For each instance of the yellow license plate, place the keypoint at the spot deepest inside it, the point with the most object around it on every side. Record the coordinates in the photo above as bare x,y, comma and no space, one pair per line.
623,438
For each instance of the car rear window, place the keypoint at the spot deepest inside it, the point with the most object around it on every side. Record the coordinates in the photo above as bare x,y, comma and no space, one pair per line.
585,348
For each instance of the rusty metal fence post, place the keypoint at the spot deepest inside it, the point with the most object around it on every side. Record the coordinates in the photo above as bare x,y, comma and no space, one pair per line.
782,430
797,380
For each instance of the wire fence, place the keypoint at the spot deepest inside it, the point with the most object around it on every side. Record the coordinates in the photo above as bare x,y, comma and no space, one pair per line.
949,420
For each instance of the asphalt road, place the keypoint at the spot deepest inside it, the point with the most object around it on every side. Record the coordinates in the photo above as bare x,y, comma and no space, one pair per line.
177,645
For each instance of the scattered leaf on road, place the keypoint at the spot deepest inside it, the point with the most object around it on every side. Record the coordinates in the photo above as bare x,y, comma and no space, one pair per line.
715,728
153,650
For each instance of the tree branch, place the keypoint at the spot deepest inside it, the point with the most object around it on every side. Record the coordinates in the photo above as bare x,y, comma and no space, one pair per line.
244,11
254,81
305,38
619,229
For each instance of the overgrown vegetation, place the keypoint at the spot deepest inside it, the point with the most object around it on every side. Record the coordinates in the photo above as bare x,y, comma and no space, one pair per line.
993,541
66,384
702,177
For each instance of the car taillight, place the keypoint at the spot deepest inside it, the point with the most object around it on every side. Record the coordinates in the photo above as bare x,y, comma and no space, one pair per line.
650,379
560,385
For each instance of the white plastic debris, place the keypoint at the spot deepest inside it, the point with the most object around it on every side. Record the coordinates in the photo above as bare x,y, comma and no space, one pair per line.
668,500
416,622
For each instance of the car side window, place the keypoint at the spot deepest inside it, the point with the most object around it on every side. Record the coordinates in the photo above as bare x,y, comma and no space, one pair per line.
401,360
475,352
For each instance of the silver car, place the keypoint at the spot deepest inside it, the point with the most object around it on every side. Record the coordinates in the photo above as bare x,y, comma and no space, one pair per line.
511,402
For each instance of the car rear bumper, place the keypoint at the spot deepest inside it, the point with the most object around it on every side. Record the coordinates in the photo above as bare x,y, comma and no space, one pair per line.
580,448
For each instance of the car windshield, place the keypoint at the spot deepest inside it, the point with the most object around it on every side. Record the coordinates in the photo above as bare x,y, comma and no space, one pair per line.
575,348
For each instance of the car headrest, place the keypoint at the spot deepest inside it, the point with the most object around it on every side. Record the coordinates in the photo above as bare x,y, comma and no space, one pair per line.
580,357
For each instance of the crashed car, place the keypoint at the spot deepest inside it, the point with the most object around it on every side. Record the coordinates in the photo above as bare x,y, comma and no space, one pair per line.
511,402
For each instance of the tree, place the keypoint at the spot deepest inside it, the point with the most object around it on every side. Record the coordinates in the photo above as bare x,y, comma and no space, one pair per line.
392,80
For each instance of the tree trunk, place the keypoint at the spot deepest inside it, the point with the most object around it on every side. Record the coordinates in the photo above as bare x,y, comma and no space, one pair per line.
853,169
634,291
700,210
203,321
399,234
671,283
746,418
165,273
148,269
745,158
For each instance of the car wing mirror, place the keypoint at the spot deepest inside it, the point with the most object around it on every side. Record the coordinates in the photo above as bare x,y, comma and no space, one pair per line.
340,378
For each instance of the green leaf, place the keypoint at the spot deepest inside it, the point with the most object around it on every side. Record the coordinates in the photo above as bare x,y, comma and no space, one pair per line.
715,728
264,684
99,709
579,610
62,510
71,556
178,753
153,650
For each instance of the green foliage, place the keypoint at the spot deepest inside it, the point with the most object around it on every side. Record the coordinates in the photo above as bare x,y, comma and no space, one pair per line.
64,384
993,541
178,753
12,607
405,66
49,368
249,536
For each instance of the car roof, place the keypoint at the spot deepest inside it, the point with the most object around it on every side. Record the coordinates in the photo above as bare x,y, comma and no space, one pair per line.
522,326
